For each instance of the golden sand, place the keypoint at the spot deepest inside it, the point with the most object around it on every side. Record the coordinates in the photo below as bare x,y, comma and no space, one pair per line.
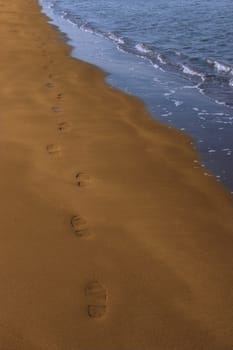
111,235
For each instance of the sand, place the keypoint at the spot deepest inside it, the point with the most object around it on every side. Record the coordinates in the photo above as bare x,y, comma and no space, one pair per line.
112,236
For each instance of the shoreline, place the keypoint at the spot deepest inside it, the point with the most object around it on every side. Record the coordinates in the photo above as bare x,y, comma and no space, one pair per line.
170,99
111,236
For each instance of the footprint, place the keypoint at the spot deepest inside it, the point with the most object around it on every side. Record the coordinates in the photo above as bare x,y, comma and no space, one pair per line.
53,149
55,109
82,179
59,96
64,126
79,226
49,85
96,295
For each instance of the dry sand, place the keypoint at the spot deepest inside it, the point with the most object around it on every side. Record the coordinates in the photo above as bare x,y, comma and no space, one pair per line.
111,236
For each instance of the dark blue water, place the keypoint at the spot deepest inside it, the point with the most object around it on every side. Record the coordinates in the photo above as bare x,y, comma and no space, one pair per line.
176,55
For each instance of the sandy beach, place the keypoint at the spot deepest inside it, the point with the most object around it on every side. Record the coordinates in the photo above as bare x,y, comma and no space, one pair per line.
112,236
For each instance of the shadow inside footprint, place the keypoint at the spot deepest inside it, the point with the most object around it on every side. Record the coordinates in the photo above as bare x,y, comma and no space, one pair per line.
79,226
96,295
82,179
55,109
53,149
49,85
64,126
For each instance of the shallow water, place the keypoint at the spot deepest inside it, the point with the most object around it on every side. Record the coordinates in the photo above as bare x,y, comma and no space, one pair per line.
177,56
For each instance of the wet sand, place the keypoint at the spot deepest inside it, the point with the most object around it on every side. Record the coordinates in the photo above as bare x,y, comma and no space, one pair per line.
112,237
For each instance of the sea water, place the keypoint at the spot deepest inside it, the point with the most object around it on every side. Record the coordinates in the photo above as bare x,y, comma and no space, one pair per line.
177,55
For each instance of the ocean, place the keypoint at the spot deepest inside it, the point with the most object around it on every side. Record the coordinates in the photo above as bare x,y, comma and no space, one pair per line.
175,55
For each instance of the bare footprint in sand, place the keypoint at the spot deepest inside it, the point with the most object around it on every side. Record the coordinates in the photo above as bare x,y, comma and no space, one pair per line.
83,179
64,126
79,226
53,149
96,295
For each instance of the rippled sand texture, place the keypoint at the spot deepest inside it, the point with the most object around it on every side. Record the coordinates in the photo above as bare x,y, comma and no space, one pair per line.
111,236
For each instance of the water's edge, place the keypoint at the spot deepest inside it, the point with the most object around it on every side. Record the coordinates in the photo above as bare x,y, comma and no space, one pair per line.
121,70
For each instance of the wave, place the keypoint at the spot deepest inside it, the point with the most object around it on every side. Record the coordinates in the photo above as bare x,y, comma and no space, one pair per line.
190,71
88,28
210,76
160,59
220,102
142,48
220,66
71,22
115,38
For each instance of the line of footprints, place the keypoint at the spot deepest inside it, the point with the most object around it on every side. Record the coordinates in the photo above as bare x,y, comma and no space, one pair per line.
95,292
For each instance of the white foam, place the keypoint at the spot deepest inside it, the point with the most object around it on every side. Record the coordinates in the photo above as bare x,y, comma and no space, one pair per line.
50,6
166,114
221,67
219,114
191,87
190,71
178,103
69,21
220,102
171,92
160,59
177,53
64,14
115,38
86,29
142,48
203,113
